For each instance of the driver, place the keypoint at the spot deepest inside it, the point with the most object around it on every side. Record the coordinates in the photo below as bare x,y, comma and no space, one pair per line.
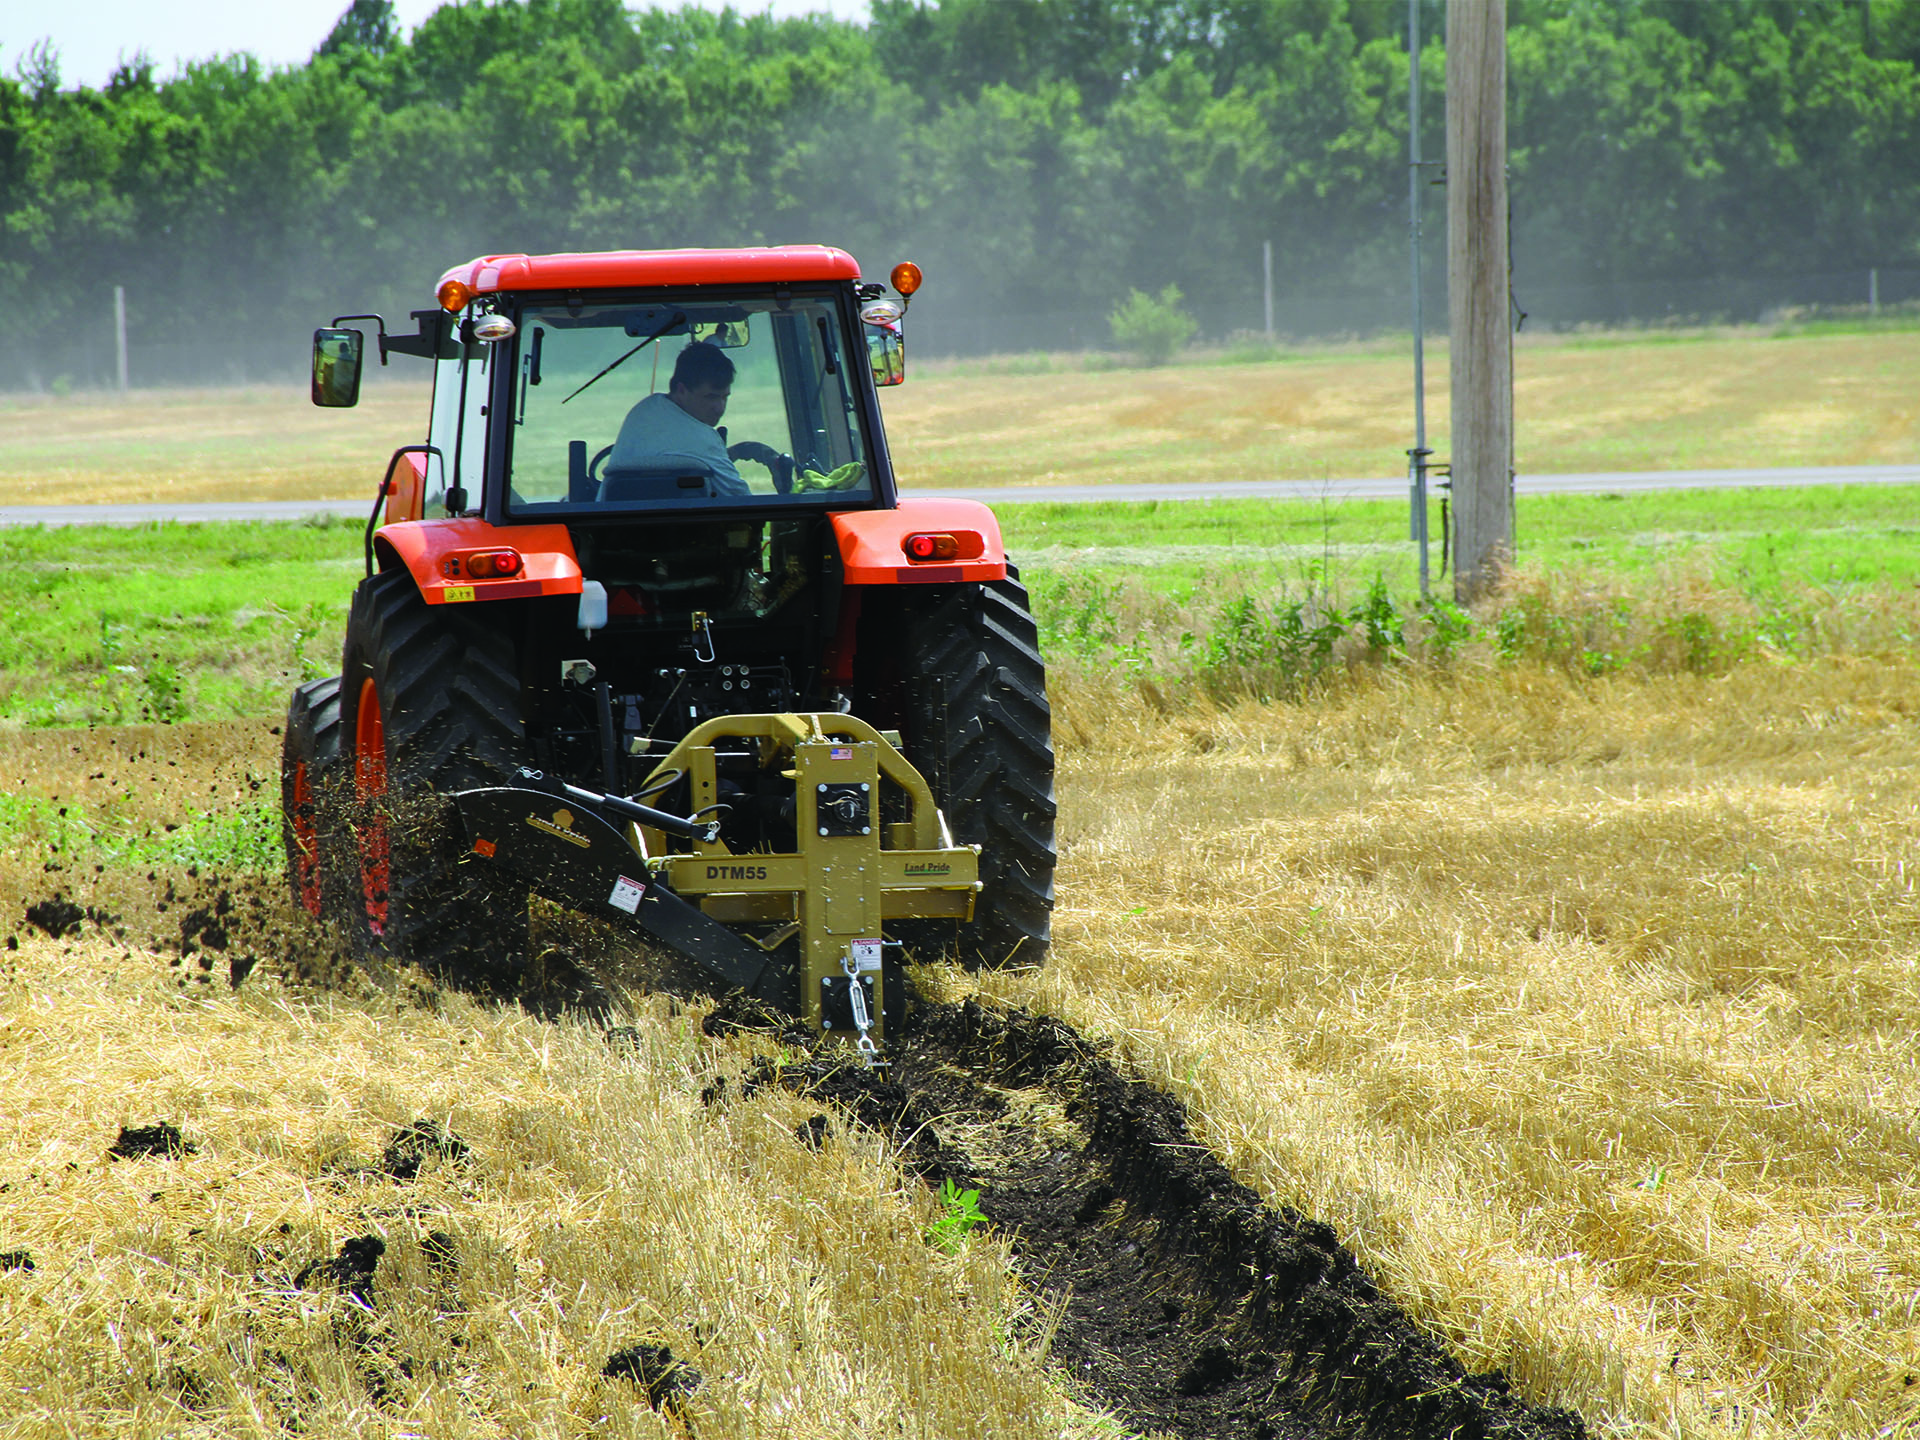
681,425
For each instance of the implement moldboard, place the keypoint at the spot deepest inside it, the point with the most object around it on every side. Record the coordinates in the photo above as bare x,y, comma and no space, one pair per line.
1186,1306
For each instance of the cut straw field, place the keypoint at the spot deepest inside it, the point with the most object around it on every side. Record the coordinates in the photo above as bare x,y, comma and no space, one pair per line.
1564,958
1583,1007
1754,397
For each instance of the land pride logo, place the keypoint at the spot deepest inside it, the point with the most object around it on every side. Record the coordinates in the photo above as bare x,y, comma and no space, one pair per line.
929,867
562,826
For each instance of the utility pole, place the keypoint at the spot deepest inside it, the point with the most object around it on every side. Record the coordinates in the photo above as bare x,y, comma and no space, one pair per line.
1480,332
1266,265
120,332
1417,457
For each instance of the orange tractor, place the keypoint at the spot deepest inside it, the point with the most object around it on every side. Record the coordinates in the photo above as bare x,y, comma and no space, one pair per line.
648,629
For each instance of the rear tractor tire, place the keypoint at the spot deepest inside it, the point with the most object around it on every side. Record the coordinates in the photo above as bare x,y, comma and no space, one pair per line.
979,728
310,817
429,705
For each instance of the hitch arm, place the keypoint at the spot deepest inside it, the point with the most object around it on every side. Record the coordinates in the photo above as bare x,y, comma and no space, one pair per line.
686,827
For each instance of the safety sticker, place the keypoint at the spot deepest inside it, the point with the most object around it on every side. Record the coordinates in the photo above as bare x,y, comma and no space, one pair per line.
458,594
866,955
626,895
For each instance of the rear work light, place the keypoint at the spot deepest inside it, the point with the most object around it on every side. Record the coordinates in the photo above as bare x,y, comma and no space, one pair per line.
926,546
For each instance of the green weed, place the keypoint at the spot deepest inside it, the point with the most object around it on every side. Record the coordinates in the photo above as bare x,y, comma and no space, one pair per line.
1270,650
958,1217
246,838
1448,628
1380,620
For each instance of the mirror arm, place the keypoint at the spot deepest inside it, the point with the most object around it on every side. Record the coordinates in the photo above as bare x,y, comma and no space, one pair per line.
340,320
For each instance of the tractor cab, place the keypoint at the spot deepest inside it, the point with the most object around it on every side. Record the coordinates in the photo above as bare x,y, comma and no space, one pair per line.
583,388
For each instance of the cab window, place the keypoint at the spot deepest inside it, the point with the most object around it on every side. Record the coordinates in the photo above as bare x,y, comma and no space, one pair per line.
671,403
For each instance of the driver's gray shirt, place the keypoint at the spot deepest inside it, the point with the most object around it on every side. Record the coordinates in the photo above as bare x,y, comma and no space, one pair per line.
659,433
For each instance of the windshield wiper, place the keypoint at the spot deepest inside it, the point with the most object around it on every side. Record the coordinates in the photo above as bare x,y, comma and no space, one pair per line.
677,318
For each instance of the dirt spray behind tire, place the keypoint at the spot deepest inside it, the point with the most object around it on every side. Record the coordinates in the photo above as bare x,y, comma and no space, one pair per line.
430,704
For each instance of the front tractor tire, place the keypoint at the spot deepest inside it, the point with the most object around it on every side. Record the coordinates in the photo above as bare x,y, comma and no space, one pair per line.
429,705
979,728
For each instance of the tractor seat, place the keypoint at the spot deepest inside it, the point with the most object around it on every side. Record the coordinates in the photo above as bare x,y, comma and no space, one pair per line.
637,482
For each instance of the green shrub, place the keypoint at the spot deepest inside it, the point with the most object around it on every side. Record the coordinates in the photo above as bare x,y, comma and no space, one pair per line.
1154,326
1269,651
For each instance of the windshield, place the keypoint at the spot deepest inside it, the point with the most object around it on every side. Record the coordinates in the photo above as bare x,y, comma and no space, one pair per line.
699,402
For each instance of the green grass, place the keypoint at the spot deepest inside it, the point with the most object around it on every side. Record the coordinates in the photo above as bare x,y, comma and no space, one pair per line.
244,838
112,625
1757,540
175,622
1237,597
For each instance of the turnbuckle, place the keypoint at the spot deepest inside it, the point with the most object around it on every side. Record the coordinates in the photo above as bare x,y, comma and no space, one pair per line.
862,1017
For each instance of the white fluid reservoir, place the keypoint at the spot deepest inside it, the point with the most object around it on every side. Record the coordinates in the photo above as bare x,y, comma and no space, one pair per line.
593,606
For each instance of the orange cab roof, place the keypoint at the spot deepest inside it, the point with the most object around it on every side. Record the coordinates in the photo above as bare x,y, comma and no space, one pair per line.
607,269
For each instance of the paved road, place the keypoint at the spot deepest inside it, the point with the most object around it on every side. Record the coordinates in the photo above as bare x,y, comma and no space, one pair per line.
1621,482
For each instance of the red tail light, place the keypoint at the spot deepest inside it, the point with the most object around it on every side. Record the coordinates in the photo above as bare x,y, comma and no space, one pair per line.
926,546
485,564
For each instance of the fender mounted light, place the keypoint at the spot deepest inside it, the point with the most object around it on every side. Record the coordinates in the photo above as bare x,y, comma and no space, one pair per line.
926,546
454,294
493,564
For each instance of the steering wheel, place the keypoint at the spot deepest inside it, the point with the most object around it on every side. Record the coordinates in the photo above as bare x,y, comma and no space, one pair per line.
593,466
780,466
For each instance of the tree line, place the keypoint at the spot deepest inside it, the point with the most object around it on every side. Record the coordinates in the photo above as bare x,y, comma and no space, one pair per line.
1039,158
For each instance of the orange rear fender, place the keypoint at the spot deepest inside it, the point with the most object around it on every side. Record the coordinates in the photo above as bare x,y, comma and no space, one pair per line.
874,543
406,487
460,561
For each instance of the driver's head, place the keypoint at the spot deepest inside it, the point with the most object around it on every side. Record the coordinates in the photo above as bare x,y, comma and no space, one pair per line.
702,380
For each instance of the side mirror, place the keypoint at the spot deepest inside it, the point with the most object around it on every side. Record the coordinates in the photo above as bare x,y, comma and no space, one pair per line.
887,352
336,367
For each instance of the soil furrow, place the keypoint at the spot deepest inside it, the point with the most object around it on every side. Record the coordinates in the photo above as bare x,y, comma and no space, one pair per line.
1178,1301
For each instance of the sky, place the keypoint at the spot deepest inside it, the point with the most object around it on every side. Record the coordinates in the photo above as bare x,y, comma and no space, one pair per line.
93,36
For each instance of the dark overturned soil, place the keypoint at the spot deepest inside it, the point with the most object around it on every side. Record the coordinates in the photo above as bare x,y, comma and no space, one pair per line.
1185,1306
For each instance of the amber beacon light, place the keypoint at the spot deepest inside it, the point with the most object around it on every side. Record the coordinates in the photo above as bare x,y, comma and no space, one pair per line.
906,277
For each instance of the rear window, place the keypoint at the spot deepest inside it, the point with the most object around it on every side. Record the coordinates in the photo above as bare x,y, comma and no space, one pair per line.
697,403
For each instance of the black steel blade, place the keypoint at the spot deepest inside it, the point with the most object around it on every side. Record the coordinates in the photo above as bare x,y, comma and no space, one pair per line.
573,857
